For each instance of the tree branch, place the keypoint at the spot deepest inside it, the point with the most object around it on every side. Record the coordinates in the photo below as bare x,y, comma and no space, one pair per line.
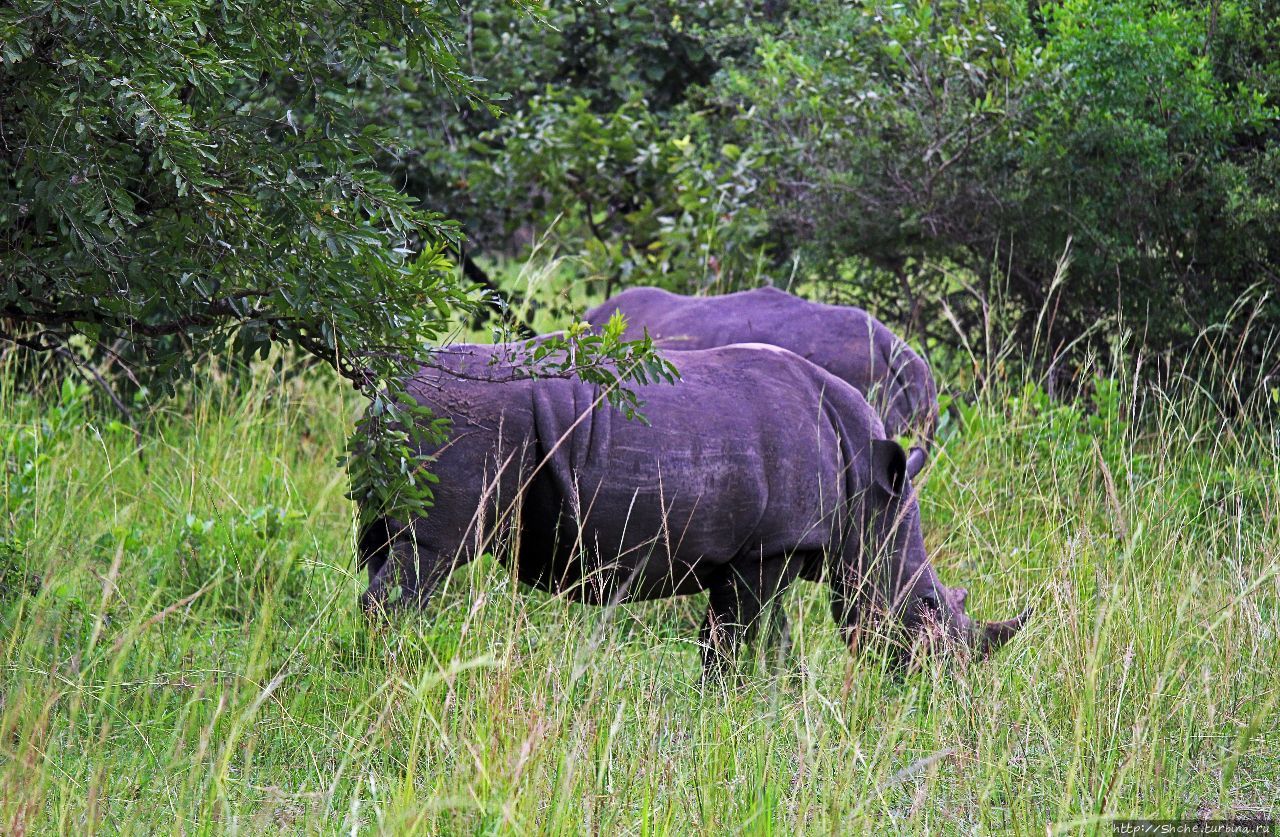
498,299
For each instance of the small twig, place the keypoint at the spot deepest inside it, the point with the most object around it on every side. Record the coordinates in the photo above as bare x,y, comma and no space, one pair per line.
92,375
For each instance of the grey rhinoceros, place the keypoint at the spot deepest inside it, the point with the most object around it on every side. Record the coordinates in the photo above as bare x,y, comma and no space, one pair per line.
847,342
754,469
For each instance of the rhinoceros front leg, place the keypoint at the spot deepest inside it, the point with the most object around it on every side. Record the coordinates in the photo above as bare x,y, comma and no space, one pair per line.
743,597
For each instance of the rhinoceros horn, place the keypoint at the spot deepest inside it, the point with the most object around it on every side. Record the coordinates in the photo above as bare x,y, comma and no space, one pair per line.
992,635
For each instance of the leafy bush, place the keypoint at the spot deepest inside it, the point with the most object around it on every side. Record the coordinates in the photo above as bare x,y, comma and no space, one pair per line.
202,179
914,140
597,145
639,204
191,179
1162,171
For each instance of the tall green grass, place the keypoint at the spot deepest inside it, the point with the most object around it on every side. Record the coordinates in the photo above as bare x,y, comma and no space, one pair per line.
182,650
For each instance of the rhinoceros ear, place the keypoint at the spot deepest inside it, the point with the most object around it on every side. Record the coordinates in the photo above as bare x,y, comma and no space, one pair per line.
916,458
889,465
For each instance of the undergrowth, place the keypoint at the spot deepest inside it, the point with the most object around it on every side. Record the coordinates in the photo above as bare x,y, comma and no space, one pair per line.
182,650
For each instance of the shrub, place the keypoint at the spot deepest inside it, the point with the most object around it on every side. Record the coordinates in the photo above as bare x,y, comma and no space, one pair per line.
914,142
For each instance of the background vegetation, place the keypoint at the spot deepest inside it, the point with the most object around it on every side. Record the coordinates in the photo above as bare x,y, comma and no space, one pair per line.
213,175
909,157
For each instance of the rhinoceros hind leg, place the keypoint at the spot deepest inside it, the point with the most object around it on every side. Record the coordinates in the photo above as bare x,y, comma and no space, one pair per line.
743,598
413,567
382,579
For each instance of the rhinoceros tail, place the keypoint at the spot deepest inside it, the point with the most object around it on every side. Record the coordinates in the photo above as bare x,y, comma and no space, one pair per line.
373,544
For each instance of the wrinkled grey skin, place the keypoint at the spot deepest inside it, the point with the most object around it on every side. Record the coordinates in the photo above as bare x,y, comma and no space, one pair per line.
847,342
756,469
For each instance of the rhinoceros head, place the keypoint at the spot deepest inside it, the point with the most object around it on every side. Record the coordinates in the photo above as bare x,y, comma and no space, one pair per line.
932,614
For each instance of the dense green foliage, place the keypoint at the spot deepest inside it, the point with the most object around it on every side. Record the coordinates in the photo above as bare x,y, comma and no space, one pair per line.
184,175
182,650
912,157
201,177
598,149
971,135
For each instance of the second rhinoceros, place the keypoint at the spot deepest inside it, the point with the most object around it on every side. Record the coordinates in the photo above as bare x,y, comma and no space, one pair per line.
755,469
847,342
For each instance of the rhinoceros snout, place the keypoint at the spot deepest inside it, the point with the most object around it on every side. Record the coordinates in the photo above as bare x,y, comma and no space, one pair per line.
985,638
